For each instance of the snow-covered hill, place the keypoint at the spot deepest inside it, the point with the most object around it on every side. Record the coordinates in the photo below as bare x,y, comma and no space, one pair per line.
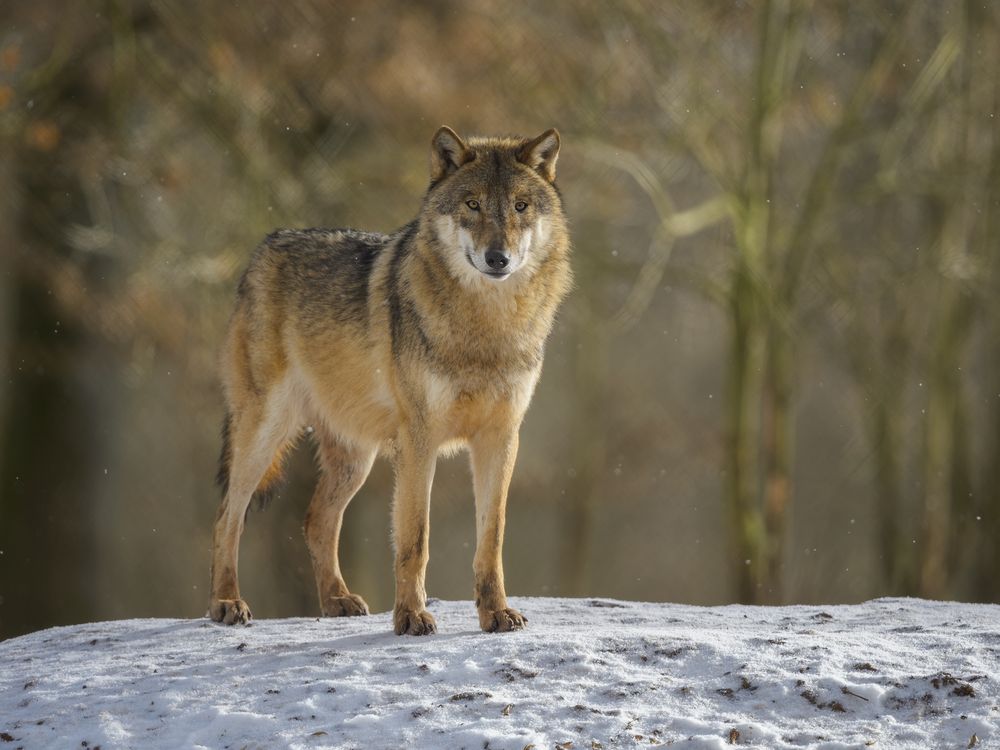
893,673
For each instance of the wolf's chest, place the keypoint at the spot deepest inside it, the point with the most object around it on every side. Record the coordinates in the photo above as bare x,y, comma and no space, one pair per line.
459,407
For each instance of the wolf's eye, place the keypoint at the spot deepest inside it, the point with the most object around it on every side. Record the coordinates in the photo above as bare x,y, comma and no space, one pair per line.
520,206
473,204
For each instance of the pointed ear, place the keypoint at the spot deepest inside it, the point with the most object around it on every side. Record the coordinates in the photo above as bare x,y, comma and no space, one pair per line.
541,154
448,153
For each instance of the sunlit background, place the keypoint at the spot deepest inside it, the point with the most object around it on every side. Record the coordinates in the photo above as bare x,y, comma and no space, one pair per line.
777,378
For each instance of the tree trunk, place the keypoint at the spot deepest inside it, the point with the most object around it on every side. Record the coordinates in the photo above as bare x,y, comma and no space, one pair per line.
936,522
885,429
589,458
988,503
8,241
944,443
778,423
954,313
746,364
988,588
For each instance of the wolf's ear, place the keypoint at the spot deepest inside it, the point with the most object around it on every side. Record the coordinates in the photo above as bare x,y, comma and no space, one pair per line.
541,153
448,153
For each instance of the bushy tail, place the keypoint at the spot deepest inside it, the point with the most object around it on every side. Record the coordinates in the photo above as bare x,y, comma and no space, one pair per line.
269,485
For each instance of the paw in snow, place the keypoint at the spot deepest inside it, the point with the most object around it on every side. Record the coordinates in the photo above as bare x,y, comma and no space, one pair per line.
501,620
344,606
409,622
230,611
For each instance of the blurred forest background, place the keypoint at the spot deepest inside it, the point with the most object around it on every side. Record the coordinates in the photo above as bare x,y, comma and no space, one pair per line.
777,379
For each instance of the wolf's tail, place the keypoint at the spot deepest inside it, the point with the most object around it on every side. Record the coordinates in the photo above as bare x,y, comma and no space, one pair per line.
269,485
226,457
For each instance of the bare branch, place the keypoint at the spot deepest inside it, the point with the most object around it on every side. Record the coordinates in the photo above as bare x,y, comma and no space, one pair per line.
673,224
817,193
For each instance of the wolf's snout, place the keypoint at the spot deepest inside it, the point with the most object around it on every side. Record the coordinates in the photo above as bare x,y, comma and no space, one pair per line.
497,260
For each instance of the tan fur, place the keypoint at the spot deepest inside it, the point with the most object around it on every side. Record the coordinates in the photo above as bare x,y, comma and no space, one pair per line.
405,345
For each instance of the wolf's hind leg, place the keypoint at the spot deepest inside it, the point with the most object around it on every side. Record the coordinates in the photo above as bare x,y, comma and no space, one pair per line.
258,435
343,470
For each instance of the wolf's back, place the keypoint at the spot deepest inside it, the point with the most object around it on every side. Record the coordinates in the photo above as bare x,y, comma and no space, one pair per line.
321,274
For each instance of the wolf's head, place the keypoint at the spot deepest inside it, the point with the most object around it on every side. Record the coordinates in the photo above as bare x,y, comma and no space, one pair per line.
492,204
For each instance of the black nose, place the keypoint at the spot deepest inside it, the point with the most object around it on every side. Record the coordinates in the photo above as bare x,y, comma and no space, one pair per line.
497,259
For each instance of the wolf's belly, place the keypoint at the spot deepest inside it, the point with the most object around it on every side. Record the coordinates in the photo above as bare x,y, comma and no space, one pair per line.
360,419
348,390
348,393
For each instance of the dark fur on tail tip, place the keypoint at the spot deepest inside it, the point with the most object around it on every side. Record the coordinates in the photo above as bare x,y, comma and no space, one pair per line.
268,489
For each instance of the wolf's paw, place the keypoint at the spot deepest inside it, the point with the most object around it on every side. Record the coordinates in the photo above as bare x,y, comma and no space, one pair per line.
501,620
408,622
230,611
344,606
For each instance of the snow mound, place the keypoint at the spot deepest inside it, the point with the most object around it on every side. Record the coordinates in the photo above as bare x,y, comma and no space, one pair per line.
892,673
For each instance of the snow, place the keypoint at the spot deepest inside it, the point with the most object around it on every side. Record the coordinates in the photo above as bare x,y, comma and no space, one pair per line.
891,673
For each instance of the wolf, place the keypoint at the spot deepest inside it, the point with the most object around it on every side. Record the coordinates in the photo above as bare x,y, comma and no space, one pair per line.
407,345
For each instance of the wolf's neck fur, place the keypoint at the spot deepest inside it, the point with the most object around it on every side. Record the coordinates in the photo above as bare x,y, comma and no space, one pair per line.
498,324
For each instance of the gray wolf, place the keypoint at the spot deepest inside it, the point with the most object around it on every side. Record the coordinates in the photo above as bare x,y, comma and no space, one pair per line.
407,345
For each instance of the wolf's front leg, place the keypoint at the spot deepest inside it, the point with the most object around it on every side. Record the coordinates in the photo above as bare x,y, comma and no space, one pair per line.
493,456
415,463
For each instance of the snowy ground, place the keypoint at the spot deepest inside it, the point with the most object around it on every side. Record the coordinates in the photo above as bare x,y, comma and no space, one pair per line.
893,673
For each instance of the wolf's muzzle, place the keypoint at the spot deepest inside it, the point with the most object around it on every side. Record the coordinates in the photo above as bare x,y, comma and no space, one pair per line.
497,260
